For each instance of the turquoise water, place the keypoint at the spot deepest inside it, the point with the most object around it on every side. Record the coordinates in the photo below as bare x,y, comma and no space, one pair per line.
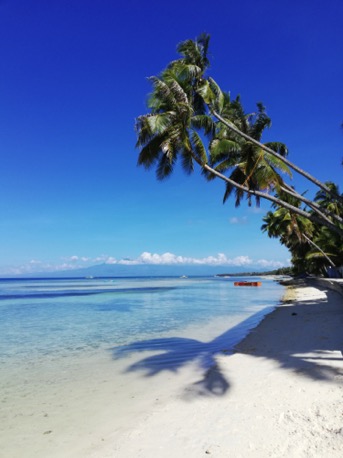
83,359
59,317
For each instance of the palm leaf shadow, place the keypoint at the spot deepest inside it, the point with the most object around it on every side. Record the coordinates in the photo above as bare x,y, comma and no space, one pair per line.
176,352
305,346
311,357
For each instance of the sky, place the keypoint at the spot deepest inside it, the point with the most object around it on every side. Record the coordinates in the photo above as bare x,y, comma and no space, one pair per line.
73,79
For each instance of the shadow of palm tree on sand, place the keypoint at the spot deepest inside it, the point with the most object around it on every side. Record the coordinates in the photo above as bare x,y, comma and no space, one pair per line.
288,341
176,352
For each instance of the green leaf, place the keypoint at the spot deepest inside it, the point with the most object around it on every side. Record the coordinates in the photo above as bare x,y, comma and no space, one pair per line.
206,93
198,147
219,96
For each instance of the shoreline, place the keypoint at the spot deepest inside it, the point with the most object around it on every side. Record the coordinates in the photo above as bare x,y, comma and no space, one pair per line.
284,393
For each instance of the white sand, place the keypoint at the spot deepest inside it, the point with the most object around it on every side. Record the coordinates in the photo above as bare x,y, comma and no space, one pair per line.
284,396
279,395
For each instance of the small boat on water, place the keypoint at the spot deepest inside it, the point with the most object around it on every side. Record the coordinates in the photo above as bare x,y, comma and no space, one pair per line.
247,283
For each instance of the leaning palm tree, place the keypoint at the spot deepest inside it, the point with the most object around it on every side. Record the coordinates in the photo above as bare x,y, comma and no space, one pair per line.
325,200
329,244
251,167
210,97
264,167
171,132
181,121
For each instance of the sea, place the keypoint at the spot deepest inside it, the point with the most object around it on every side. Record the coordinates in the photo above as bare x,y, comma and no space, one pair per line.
68,345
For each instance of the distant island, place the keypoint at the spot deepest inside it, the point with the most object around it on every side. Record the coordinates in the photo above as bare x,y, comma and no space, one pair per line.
281,271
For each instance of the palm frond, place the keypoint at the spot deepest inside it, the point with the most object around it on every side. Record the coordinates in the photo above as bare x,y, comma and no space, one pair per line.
195,51
183,71
228,191
150,153
144,133
187,162
198,147
319,255
158,123
166,161
219,96
161,95
278,147
276,163
178,92
238,176
260,122
204,123
205,91
221,149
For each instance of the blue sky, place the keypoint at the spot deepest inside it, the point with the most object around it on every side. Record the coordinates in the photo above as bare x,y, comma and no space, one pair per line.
73,80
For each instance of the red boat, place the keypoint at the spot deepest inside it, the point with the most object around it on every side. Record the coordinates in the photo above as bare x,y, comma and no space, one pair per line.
247,283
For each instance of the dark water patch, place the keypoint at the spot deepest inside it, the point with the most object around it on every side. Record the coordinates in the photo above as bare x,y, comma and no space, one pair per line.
45,295
55,294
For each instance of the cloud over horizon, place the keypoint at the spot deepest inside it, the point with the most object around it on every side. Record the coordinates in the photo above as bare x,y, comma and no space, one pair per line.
146,258
171,259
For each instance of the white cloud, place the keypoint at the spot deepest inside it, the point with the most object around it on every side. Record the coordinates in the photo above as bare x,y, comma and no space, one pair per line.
173,259
145,258
271,264
101,258
236,220
36,267
76,258
257,210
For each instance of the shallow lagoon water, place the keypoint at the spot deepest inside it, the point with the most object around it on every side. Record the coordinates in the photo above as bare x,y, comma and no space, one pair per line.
56,317
77,357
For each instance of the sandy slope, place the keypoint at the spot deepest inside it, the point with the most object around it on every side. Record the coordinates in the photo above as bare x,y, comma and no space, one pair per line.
279,395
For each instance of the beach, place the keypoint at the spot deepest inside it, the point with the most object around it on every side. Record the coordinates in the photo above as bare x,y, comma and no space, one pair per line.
278,394
283,396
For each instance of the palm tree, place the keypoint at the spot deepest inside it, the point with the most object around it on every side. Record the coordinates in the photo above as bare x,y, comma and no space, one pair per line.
330,244
294,232
176,113
180,120
325,200
251,167
270,151
170,131
252,126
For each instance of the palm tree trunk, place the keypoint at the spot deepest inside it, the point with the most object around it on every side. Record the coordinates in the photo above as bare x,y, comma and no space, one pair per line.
275,154
322,212
319,249
319,220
